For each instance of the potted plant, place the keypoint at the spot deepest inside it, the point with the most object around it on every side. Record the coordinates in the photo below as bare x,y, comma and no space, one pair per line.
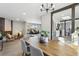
1,37
44,37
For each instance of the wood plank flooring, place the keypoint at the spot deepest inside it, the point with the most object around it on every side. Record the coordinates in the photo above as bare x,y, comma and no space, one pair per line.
12,48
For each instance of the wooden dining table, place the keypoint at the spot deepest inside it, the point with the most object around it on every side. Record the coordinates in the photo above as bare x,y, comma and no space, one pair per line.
54,47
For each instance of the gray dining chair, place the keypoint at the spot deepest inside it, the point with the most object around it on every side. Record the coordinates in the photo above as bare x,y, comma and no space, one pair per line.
25,47
35,51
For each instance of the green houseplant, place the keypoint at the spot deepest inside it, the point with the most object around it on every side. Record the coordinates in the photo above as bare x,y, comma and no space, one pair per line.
1,36
44,33
44,36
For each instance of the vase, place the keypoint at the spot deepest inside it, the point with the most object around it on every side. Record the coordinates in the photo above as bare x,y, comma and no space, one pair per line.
44,39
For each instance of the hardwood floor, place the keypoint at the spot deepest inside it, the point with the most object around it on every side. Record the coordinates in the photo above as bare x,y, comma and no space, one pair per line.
12,48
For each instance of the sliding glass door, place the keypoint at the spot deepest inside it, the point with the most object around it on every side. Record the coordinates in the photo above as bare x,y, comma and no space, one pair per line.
65,22
76,41
62,23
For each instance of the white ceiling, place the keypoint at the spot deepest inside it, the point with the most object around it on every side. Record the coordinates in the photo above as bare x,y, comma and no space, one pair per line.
32,10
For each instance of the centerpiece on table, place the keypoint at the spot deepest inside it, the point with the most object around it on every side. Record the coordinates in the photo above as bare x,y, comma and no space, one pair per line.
44,37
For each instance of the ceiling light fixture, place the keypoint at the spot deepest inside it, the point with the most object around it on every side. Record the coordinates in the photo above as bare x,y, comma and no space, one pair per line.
47,7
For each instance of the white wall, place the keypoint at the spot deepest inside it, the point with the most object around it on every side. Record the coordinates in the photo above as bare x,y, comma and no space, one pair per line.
46,22
18,26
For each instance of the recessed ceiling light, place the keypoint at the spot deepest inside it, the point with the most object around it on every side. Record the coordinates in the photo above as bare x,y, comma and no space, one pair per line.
24,13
